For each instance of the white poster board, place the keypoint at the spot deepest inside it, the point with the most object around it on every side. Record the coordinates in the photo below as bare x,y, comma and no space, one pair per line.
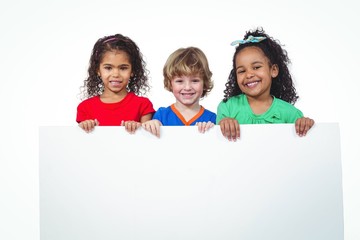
270,184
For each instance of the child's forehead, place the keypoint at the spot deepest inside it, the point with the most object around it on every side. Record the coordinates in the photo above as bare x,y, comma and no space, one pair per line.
251,51
188,75
250,55
115,53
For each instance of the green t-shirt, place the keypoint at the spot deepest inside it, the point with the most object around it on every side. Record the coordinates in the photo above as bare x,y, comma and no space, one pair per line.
238,107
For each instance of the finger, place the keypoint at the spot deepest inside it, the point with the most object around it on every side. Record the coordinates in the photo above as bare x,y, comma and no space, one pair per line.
229,129
308,124
86,125
209,125
156,130
130,126
235,131
134,126
300,126
201,127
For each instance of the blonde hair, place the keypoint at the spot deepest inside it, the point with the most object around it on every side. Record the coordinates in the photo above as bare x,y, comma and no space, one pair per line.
185,62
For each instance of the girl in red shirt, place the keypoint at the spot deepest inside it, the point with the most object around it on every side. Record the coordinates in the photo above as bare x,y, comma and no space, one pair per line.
113,91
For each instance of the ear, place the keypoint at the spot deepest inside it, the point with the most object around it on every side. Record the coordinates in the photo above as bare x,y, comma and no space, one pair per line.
274,70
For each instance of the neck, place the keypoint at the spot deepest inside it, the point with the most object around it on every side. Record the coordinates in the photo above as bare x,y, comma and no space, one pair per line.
110,97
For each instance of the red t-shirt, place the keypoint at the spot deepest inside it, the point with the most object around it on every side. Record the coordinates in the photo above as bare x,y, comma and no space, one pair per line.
132,107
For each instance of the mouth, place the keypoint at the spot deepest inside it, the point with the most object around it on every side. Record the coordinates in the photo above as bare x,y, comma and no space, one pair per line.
187,94
252,84
115,83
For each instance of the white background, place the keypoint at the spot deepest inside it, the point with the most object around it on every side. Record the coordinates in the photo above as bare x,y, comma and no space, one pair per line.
45,48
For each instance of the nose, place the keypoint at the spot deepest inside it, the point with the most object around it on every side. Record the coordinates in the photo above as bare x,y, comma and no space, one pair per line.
250,74
116,72
187,85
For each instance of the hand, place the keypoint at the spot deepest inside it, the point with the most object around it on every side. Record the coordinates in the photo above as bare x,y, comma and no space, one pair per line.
302,125
130,126
230,128
89,125
204,126
152,126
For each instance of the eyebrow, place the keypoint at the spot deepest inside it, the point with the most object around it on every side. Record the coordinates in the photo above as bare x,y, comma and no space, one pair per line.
256,62
121,65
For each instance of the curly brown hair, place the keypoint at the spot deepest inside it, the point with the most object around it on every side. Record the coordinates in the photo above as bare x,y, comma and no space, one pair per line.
138,82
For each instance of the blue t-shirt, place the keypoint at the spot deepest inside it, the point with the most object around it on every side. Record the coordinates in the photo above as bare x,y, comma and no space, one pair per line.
170,116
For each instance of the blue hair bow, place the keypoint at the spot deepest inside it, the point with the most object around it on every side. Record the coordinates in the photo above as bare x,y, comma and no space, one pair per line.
250,39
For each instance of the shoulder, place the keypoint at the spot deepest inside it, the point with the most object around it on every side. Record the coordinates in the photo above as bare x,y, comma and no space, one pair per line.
285,106
235,99
164,109
90,100
208,112
134,96
282,103
234,102
141,99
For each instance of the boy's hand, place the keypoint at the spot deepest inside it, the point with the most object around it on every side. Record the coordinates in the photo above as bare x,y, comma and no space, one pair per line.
152,126
204,126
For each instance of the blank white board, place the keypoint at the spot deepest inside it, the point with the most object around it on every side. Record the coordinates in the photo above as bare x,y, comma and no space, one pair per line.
270,184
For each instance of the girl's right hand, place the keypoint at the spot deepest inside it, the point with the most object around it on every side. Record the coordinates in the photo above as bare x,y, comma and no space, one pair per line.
152,126
89,125
230,128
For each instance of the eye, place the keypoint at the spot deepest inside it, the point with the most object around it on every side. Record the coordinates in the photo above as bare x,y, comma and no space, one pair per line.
124,68
240,71
178,80
196,80
107,67
257,67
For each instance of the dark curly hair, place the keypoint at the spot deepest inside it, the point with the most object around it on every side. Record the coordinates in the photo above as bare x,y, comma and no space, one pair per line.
282,86
138,82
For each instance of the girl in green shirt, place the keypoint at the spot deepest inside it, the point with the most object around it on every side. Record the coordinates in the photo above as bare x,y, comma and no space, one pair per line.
259,89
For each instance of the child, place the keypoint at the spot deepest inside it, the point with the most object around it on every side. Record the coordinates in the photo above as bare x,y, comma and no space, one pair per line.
259,88
116,76
187,75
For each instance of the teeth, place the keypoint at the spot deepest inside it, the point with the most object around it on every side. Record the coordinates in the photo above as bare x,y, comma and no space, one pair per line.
251,84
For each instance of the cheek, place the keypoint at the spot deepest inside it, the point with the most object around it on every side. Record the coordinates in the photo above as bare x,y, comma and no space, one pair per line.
200,88
239,78
175,88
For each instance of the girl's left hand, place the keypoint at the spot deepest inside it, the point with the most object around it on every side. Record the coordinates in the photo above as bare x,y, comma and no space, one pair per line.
130,126
303,125
204,126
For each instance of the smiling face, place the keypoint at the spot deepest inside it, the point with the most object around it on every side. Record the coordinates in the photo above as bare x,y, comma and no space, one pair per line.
115,71
254,73
187,89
